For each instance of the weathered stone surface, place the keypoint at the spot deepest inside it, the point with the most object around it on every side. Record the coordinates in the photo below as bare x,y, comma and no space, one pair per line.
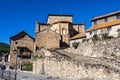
60,24
48,39
68,65
21,40
55,33
100,60
107,48
57,18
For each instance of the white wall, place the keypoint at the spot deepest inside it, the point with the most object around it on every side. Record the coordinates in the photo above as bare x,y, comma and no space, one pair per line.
90,34
112,18
100,21
76,40
113,32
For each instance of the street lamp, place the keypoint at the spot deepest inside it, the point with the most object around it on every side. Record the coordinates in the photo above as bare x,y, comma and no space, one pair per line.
16,54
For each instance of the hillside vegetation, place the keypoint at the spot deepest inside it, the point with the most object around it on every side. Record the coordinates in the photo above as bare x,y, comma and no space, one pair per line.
4,47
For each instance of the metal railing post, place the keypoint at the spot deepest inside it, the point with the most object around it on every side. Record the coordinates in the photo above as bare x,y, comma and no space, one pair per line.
2,74
9,75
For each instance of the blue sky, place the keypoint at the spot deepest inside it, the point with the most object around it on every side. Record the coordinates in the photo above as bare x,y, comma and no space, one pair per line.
18,15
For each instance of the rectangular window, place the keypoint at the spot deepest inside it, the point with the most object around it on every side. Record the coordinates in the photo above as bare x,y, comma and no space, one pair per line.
118,16
106,19
95,22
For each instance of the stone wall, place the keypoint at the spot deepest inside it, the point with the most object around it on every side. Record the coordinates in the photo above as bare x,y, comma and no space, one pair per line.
48,38
79,28
53,18
40,27
60,24
106,48
67,68
63,30
26,41
100,61
43,27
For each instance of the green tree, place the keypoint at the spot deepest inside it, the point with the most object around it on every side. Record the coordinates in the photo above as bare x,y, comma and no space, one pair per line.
4,47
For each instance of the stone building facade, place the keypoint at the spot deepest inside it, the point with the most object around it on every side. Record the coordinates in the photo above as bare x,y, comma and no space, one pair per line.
23,44
57,32
109,23
60,29
47,38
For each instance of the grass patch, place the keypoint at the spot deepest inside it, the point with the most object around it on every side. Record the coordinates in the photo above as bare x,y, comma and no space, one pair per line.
28,66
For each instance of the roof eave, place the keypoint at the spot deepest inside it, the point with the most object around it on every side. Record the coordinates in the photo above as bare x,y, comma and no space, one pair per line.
106,15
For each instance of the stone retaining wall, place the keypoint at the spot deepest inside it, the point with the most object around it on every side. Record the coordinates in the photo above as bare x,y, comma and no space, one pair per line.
106,48
67,68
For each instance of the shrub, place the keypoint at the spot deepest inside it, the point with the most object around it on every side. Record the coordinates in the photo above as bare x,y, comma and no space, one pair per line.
75,44
36,56
105,36
110,37
87,40
95,38
28,66
118,30
118,34
83,40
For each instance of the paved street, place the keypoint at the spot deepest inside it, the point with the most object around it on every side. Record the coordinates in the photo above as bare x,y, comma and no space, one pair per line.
10,75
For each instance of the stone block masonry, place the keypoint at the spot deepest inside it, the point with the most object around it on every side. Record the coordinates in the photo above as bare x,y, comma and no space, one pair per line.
68,68
107,48
21,40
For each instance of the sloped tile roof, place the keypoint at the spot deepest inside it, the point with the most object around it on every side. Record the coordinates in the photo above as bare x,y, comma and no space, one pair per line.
106,15
104,25
78,36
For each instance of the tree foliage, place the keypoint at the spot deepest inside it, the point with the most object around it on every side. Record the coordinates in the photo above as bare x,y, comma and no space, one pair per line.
4,47
95,38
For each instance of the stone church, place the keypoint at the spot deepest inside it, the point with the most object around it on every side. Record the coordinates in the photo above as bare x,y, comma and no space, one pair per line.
57,32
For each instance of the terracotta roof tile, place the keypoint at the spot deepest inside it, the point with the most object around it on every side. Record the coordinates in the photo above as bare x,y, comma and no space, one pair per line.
78,36
104,25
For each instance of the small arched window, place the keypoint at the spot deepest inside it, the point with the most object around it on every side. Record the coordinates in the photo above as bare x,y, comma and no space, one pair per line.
63,31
